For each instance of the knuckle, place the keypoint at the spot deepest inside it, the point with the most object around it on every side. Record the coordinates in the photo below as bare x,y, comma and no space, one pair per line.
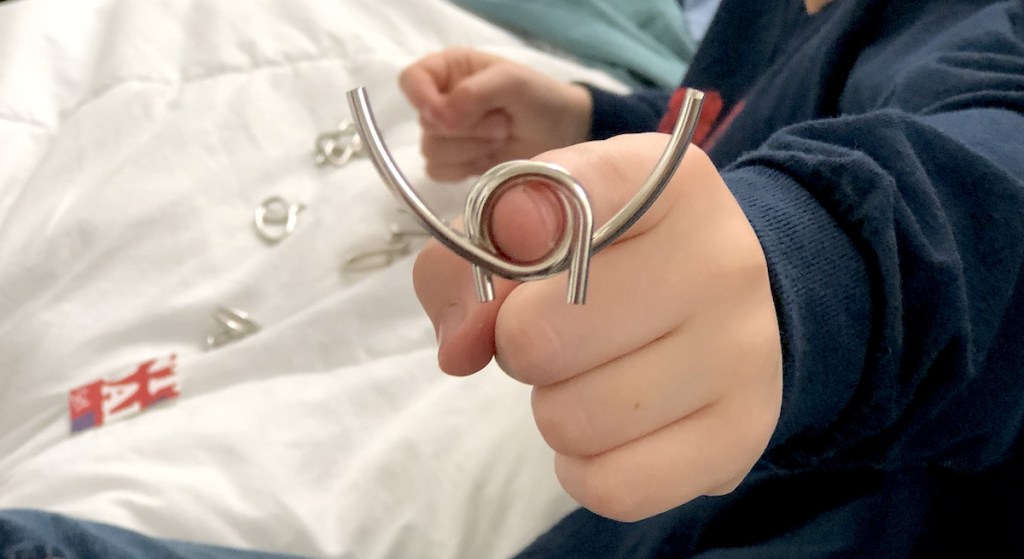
483,163
444,172
466,92
428,146
424,269
604,490
602,166
436,149
527,350
406,78
434,171
697,156
751,263
517,79
753,430
565,425
742,257
726,486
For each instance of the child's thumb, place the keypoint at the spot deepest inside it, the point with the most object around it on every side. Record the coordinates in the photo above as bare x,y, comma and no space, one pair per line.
527,221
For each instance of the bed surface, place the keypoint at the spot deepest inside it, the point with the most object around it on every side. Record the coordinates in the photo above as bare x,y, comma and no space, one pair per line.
137,139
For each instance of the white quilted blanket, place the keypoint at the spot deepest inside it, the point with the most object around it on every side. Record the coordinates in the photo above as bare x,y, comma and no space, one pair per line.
136,139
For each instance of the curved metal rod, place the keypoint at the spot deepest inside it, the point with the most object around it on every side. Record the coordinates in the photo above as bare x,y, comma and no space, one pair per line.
399,185
574,251
678,141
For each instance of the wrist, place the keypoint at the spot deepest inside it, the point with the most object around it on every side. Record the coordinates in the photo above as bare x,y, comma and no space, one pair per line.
823,303
579,113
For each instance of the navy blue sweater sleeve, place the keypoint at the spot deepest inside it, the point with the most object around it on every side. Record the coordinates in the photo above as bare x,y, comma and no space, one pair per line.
895,242
614,114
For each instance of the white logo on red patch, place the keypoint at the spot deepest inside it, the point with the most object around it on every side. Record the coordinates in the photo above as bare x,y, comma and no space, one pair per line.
101,402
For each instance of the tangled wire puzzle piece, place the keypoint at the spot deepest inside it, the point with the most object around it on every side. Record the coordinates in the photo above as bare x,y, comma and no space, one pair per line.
578,243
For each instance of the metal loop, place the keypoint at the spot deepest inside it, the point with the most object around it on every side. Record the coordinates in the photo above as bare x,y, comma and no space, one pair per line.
377,258
397,245
337,147
575,249
232,325
275,218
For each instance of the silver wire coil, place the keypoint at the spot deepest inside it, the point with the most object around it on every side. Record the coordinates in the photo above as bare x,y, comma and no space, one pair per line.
578,243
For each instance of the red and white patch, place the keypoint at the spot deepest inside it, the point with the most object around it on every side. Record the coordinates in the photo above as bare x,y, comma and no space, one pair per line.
101,402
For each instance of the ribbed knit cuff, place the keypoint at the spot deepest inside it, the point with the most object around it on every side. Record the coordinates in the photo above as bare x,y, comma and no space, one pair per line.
823,301
615,114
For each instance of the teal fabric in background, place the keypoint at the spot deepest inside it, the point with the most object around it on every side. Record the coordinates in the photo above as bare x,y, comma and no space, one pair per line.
645,43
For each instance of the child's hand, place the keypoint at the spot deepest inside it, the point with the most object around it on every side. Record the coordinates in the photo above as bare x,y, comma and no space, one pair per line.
478,110
667,384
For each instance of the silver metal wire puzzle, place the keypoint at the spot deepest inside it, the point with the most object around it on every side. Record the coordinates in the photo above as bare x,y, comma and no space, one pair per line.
580,240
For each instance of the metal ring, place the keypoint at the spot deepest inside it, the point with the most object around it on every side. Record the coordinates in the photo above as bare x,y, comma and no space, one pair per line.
275,218
573,252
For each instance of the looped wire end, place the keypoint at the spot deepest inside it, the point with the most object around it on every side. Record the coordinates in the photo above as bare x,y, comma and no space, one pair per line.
275,218
231,325
574,249
339,146
579,242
